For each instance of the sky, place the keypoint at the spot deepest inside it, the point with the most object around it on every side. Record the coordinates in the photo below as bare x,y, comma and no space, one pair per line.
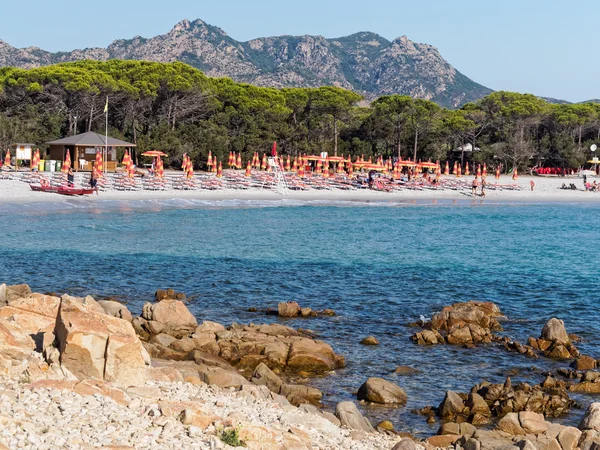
544,47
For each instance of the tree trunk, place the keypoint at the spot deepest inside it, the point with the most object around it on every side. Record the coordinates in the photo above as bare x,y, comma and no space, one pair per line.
89,127
416,145
580,127
335,135
399,130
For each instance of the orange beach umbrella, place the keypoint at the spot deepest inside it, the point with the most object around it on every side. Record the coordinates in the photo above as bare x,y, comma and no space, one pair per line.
210,160
458,173
467,169
220,170
249,169
7,158
214,165
497,173
447,169
67,164
99,164
238,161
160,168
36,159
154,153
484,173
515,174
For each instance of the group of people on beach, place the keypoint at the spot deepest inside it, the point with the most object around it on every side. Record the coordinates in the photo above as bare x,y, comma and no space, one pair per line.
476,185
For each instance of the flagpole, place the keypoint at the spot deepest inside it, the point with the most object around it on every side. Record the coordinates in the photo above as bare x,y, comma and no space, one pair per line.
106,137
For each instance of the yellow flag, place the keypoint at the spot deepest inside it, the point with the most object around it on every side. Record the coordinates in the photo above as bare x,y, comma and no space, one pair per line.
106,106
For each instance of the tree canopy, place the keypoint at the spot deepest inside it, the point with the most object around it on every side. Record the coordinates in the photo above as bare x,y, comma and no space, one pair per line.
176,108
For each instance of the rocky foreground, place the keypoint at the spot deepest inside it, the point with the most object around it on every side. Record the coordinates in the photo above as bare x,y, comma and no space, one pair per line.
77,373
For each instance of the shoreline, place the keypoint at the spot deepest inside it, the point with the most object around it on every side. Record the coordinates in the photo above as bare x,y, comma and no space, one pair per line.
546,191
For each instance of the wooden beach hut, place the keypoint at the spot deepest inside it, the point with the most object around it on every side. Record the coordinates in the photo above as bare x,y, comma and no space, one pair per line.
83,147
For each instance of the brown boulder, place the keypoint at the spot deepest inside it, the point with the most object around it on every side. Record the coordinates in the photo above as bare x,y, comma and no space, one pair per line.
351,417
370,340
95,345
16,291
555,330
222,377
451,406
172,316
583,363
288,309
378,390
298,394
312,356
116,309
510,424
264,376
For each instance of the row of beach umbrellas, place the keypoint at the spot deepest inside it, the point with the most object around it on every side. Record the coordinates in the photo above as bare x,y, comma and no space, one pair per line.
297,164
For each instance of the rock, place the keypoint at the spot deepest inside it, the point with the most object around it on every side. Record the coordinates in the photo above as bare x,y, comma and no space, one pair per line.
264,376
307,312
472,444
95,345
222,378
209,327
591,418
449,428
584,363
370,340
405,444
510,424
460,335
16,292
587,387
328,312
14,344
197,418
478,405
351,418
378,390
385,425
299,394
532,423
208,359
288,309
173,317
526,444
116,309
568,438
3,299
442,441
405,370
451,406
555,330
32,315
312,356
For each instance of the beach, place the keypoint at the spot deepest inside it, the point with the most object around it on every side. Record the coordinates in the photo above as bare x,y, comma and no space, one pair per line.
385,270
547,189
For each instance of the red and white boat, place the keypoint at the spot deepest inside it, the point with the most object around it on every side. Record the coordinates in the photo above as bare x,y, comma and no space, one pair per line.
63,190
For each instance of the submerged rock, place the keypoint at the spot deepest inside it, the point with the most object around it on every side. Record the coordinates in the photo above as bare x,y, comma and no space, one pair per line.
370,340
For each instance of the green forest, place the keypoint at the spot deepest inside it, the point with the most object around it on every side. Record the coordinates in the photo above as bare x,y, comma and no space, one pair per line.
177,109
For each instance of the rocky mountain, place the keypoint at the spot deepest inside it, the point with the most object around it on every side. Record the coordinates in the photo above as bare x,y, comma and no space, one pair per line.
364,62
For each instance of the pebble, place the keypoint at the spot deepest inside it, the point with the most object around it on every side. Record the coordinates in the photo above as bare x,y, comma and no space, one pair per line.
49,418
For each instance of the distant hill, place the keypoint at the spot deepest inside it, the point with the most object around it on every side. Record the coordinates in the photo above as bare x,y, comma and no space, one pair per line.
364,62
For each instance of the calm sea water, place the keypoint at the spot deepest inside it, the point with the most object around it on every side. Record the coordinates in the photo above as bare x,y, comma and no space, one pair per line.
380,266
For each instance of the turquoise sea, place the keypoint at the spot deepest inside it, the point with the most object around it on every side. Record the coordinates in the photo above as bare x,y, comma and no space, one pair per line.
379,266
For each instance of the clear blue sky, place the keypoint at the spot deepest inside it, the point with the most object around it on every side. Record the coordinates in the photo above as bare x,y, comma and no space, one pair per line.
545,47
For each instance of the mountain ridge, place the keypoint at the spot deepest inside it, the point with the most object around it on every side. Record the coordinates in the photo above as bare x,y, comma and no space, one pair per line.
364,62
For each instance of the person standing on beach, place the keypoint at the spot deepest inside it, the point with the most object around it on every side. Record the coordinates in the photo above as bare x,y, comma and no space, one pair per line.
94,180
474,187
532,183
482,187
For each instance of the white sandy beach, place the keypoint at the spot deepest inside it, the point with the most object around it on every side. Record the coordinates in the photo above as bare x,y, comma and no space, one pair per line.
546,190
